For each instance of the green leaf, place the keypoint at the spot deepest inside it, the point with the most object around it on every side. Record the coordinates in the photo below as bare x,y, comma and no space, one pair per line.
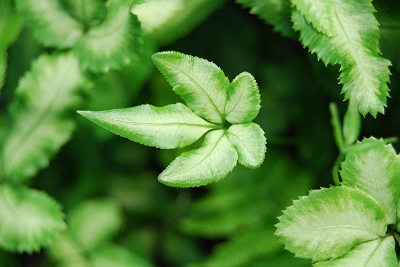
243,99
171,126
112,43
166,21
114,256
201,83
249,142
211,162
351,123
375,171
94,222
355,46
274,12
376,253
29,219
50,22
38,121
329,222
3,65
319,13
87,12
10,23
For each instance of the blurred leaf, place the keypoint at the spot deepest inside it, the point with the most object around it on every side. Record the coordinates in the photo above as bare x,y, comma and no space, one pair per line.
166,21
243,99
211,162
113,256
39,124
201,83
29,219
249,142
88,11
94,222
329,222
171,126
351,123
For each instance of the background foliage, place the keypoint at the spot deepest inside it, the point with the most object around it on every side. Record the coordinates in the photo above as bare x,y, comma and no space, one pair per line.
229,223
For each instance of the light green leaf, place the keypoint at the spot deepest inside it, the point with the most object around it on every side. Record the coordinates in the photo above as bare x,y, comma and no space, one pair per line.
243,99
114,256
376,253
171,126
10,23
29,219
38,121
329,222
355,46
201,83
319,13
50,22
211,162
88,12
351,123
114,42
94,222
274,12
376,172
249,142
3,65
166,21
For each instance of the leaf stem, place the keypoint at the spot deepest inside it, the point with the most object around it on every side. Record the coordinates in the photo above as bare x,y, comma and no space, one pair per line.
335,169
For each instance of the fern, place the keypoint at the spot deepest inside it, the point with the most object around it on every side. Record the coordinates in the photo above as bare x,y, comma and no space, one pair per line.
354,45
101,40
38,124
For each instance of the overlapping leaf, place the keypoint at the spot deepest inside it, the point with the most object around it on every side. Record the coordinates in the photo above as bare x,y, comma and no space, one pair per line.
354,45
172,126
29,219
329,222
376,172
38,122
211,162
375,253
201,83
103,35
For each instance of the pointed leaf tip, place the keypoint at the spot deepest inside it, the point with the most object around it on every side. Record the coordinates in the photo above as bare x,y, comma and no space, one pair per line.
211,162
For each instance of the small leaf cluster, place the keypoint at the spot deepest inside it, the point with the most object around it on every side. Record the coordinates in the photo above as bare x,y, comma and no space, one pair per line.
356,223
216,108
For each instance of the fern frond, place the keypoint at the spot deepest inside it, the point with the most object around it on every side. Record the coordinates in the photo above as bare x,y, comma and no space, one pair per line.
355,46
38,121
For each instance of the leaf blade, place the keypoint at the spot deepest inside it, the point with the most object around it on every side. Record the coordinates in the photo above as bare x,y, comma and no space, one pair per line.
375,253
249,141
211,162
243,99
29,219
355,46
201,83
375,171
329,222
171,126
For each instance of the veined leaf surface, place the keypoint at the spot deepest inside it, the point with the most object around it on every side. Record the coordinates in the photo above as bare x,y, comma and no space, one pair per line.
88,12
38,122
319,13
375,253
330,222
249,141
243,99
29,219
171,126
355,46
375,171
211,162
201,83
